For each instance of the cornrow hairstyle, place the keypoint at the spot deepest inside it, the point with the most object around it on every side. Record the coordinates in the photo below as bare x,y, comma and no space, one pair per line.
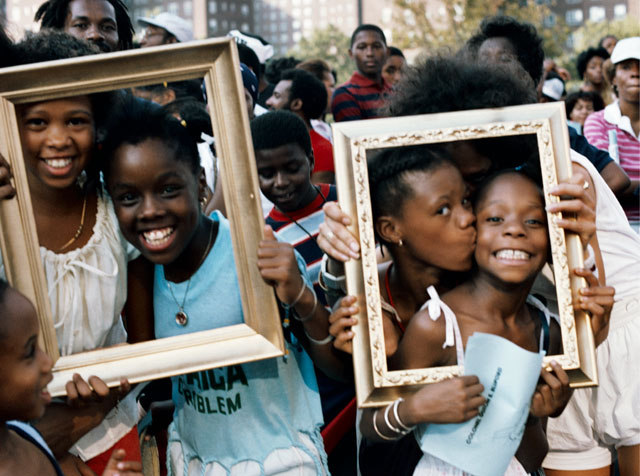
135,120
276,66
389,170
318,67
53,14
589,96
368,27
277,128
523,36
585,56
309,89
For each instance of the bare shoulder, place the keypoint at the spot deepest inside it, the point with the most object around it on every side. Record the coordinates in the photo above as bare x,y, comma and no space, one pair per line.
421,345
26,458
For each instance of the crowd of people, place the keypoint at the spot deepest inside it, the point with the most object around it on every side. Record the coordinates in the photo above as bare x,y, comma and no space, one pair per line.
136,245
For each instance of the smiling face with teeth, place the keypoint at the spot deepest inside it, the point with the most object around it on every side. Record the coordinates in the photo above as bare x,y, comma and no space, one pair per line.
57,140
513,243
156,199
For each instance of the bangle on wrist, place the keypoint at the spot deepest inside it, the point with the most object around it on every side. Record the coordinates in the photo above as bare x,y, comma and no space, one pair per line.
406,429
328,281
387,421
313,310
375,427
324,341
298,297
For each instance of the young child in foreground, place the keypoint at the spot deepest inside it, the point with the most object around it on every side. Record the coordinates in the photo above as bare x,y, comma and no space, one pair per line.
258,418
25,370
512,247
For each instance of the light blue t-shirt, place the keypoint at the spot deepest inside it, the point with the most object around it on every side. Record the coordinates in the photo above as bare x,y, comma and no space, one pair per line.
240,412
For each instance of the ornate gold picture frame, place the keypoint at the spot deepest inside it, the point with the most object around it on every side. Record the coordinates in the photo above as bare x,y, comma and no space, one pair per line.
216,61
375,383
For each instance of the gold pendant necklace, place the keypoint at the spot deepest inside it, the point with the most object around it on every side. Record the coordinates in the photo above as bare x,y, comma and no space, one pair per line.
78,231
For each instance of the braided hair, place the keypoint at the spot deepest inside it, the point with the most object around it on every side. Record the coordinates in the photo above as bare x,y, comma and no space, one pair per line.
389,171
53,14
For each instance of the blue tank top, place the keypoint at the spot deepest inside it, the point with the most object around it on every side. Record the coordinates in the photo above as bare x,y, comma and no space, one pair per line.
240,412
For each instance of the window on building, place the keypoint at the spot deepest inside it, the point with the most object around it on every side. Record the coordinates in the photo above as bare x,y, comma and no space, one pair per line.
619,11
232,6
307,24
307,11
213,24
597,13
572,2
296,24
173,8
274,15
244,9
225,25
223,6
213,7
187,8
274,27
574,17
284,38
244,26
297,36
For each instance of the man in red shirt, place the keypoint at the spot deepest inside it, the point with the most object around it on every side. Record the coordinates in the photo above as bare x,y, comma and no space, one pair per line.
364,94
301,92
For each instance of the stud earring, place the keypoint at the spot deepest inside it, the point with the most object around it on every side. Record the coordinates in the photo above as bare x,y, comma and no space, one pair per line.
400,242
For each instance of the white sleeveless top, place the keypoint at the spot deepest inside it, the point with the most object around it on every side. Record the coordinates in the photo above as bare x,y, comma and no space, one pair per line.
430,465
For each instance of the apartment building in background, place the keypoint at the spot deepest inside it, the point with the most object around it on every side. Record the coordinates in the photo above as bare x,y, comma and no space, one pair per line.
285,22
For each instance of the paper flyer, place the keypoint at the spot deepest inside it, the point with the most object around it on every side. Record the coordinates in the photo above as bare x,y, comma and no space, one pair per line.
484,445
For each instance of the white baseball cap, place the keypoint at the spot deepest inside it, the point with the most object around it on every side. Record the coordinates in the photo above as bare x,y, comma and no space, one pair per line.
553,88
262,51
176,26
627,48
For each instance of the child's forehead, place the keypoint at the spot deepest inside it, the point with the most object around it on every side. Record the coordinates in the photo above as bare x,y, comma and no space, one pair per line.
289,151
509,187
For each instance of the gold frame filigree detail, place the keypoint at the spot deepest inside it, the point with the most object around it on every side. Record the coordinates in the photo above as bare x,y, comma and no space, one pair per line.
375,383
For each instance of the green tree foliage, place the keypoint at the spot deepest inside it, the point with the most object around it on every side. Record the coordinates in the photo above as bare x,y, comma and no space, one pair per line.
590,33
448,24
329,44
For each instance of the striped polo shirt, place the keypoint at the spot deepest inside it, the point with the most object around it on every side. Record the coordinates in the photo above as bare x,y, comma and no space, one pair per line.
300,229
358,98
596,130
